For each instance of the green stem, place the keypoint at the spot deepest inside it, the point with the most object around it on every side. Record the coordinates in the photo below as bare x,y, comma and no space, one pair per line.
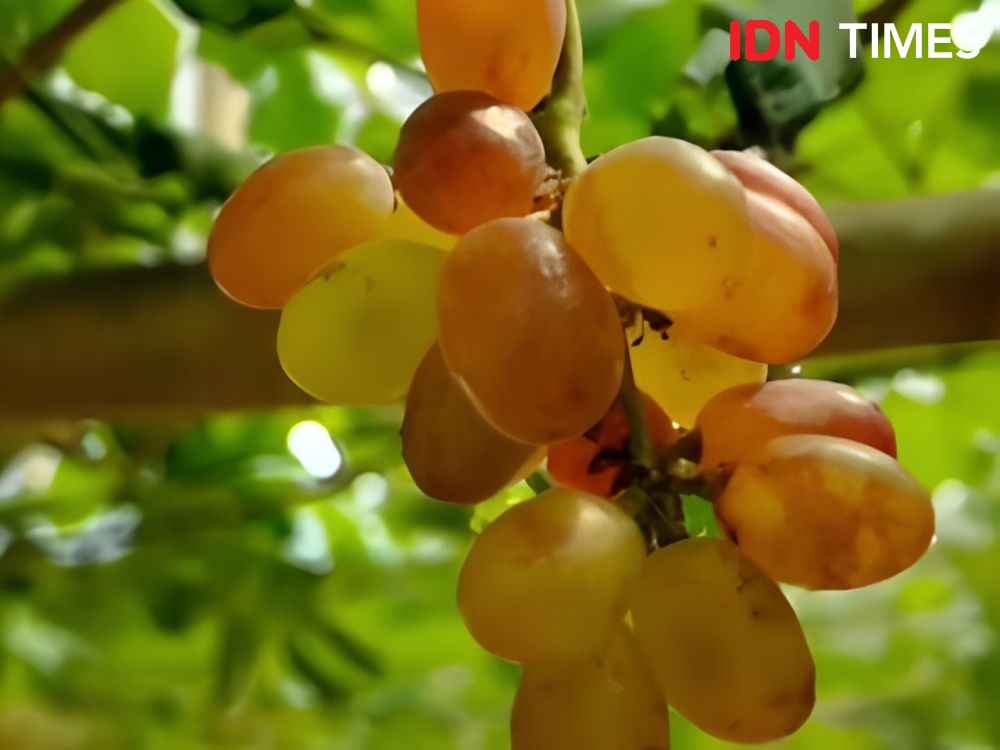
560,121
640,443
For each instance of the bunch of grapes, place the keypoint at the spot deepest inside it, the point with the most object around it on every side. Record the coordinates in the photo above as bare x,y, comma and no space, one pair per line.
619,321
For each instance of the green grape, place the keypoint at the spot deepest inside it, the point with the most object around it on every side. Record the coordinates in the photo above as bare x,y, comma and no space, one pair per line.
723,642
530,331
356,333
292,218
610,703
826,513
452,453
550,578
682,375
465,158
661,222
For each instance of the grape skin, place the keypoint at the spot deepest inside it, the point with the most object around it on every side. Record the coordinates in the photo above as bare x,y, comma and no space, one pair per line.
609,703
550,578
784,302
405,225
465,158
530,331
661,222
356,333
760,176
826,513
725,645
506,48
292,218
741,419
452,453
682,375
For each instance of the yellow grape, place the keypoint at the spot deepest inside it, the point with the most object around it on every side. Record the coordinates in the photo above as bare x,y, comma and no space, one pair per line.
682,375
506,48
723,642
760,176
465,158
292,217
784,302
530,331
452,453
610,703
661,222
550,578
741,419
826,513
356,333
407,226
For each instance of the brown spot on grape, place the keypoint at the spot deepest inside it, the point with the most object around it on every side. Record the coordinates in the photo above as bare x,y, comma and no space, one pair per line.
713,241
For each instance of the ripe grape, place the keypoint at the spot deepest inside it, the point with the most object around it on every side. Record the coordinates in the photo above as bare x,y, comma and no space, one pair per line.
356,333
530,331
594,462
407,226
661,222
550,578
784,302
465,158
723,642
741,419
506,48
610,703
292,217
682,375
760,176
826,513
450,450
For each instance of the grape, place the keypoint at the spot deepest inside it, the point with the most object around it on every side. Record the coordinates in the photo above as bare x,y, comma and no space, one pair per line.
682,375
760,176
723,641
741,419
661,222
465,158
506,48
407,226
549,579
609,703
826,513
530,331
594,462
784,302
450,450
356,333
292,217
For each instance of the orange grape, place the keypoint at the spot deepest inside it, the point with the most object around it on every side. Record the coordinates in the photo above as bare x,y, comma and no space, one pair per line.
550,578
760,176
530,331
826,513
465,158
450,450
610,703
292,217
784,302
742,419
594,462
682,375
723,642
506,48
356,333
661,222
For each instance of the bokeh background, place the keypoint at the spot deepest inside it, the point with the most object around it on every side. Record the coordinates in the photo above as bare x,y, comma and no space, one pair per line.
193,556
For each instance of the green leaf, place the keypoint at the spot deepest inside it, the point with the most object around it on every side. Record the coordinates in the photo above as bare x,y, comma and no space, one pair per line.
128,56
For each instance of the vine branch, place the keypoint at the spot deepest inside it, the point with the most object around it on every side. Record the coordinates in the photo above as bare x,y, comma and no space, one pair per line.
48,49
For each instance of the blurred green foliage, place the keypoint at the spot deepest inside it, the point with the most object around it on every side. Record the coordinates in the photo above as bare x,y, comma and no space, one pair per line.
190,584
